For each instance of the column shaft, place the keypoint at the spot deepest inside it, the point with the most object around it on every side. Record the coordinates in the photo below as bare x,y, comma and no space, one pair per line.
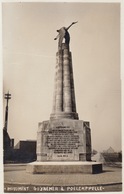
67,106
64,96
72,85
59,91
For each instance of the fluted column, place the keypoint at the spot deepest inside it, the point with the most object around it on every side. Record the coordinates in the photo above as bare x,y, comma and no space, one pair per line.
64,97
59,90
67,106
72,85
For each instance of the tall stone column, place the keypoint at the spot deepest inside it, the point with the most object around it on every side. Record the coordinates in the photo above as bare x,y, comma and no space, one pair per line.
67,96
64,105
72,84
59,84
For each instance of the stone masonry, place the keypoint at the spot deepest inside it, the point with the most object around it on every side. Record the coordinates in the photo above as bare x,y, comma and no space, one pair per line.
64,137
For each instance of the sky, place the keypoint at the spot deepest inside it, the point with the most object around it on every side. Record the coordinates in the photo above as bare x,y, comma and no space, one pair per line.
29,58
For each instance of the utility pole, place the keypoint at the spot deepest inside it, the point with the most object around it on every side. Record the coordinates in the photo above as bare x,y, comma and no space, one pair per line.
7,97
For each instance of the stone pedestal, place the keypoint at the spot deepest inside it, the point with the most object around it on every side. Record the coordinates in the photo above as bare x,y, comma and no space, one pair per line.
64,140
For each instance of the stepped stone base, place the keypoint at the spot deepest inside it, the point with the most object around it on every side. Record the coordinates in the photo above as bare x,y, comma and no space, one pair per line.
64,167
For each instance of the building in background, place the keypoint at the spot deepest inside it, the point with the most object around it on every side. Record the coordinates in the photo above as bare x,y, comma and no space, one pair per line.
109,157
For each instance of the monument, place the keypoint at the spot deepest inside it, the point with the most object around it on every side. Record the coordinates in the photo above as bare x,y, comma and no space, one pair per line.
64,141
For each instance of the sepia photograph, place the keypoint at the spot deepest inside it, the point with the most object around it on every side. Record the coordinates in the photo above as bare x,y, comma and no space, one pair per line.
62,122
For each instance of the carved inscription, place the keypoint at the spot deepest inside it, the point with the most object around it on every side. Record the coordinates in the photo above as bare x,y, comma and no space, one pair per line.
62,140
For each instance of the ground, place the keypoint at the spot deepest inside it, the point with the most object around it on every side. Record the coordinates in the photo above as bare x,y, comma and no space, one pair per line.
17,180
